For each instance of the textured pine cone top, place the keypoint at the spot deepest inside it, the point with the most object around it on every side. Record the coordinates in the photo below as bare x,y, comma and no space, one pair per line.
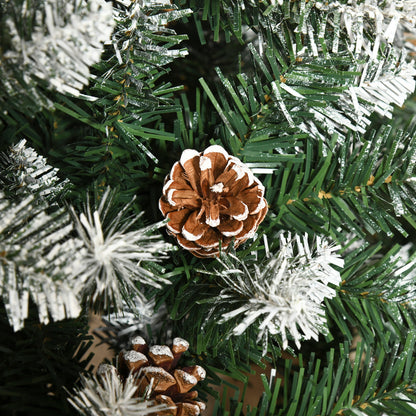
155,367
212,197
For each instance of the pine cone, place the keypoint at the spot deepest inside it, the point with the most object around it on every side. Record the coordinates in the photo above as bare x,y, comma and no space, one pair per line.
212,197
156,367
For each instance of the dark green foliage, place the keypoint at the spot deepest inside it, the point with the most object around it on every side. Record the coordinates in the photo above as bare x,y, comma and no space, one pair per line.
36,364
18,94
365,381
341,189
376,295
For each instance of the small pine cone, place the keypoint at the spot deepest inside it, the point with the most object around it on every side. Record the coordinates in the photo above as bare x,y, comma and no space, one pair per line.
211,197
156,371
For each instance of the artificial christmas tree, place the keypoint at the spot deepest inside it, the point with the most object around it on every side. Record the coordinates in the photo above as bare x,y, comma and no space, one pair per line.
236,173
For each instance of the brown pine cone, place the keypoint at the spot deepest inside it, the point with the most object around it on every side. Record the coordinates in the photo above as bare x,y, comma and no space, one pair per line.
158,376
212,197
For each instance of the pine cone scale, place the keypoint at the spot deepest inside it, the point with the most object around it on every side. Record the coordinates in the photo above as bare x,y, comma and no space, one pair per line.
162,380
184,381
249,228
219,161
236,209
252,200
239,185
177,220
207,179
212,213
184,198
210,239
165,207
188,409
231,228
228,179
166,400
193,229
188,245
191,172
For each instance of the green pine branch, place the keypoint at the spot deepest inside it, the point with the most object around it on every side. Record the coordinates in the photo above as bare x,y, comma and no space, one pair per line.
377,293
361,190
345,381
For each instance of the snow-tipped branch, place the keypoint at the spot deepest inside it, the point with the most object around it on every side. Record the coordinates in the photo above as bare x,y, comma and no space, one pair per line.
38,258
67,38
117,254
283,295
24,172
106,394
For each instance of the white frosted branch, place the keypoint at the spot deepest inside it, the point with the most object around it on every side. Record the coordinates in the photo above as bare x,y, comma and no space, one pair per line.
39,260
67,39
106,394
115,254
285,293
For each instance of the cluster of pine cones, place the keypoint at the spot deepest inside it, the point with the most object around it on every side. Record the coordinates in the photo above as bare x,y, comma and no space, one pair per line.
159,379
